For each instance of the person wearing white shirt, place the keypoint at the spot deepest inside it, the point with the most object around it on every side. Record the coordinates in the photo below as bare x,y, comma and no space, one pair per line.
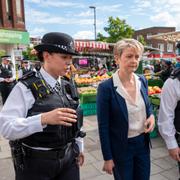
43,119
7,77
169,114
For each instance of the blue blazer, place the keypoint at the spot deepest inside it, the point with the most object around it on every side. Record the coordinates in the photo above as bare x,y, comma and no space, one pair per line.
112,118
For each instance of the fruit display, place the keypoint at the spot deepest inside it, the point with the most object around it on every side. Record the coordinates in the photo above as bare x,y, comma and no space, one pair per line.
153,90
87,90
82,81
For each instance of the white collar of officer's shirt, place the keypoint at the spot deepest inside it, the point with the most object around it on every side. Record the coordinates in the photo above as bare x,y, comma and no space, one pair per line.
48,78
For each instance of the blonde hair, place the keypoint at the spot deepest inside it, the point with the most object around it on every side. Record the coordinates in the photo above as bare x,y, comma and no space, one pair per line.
126,43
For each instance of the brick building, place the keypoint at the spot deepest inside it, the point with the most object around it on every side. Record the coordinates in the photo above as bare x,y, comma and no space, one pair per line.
164,46
13,33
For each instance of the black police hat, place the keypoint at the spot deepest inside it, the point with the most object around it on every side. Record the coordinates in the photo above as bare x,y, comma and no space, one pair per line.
57,42
7,57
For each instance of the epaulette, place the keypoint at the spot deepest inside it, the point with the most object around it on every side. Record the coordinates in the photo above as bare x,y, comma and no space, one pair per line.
175,73
37,85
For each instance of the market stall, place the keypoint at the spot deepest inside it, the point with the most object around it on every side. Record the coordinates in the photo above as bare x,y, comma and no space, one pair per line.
92,68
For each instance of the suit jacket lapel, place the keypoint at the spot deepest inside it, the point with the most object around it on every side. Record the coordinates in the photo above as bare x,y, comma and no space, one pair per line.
121,103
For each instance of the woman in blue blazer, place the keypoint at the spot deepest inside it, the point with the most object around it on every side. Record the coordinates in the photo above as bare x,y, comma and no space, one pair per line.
125,116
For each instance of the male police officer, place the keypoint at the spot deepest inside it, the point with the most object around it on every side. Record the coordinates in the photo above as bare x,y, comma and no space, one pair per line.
46,119
25,68
7,77
169,115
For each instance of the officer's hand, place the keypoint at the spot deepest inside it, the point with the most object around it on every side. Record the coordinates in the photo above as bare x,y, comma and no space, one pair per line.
108,166
80,159
59,116
149,124
175,153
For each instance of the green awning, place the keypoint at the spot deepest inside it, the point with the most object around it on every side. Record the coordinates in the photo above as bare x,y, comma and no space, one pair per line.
13,37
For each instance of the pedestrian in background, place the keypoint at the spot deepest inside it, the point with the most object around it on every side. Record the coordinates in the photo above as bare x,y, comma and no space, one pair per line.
44,128
125,117
169,115
7,77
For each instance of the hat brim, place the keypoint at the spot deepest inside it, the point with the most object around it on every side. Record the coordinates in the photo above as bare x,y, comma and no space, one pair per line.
52,48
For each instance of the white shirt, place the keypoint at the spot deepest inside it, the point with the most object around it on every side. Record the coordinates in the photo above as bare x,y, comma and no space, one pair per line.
170,95
136,110
13,122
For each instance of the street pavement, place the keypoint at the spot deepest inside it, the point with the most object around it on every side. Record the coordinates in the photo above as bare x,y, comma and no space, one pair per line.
162,166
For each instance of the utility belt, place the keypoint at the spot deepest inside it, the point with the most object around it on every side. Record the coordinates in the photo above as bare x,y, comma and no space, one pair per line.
57,153
20,151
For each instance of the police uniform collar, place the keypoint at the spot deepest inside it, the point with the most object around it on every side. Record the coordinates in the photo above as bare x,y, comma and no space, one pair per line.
48,78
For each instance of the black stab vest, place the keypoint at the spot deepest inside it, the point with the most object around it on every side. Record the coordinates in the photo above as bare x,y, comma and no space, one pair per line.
52,136
25,71
6,72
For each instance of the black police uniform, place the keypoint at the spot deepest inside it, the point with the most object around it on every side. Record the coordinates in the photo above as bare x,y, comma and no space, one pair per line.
6,87
26,70
60,139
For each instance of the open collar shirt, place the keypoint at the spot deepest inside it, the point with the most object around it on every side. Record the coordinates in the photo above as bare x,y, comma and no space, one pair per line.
136,110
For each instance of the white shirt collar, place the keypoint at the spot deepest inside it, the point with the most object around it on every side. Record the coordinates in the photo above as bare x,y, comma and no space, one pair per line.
117,81
48,78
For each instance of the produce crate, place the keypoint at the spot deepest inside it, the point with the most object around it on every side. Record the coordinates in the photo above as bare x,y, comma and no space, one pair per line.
87,98
154,133
89,109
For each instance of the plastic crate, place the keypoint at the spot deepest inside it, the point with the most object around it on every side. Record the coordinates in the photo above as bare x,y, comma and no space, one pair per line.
89,112
88,106
87,98
89,109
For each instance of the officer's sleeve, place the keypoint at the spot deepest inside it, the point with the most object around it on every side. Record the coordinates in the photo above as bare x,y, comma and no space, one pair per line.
13,121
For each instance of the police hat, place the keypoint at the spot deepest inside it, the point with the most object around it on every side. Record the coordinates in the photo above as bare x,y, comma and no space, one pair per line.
7,57
57,42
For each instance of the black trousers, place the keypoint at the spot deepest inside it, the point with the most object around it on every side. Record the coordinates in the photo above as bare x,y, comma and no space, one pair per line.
5,89
65,168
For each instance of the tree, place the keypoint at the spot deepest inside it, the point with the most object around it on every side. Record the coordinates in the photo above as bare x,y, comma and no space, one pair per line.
116,29
28,55
141,40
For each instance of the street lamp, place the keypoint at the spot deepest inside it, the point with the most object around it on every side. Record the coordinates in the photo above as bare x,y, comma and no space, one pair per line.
94,8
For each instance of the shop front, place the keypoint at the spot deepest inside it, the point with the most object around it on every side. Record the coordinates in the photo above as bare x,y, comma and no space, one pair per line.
11,43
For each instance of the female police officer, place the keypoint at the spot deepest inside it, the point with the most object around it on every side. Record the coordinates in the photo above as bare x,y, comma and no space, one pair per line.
44,120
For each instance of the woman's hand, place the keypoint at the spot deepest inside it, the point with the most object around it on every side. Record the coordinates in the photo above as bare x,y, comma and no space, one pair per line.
80,159
108,166
59,116
149,124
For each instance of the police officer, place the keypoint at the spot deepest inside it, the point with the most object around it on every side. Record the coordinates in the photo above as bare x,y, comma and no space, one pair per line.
45,122
25,68
169,115
7,77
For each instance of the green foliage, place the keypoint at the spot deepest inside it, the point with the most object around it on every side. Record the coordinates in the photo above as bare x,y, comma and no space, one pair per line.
2,52
117,29
141,40
27,54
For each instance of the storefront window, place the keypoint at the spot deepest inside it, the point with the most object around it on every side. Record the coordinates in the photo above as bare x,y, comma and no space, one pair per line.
8,9
19,10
